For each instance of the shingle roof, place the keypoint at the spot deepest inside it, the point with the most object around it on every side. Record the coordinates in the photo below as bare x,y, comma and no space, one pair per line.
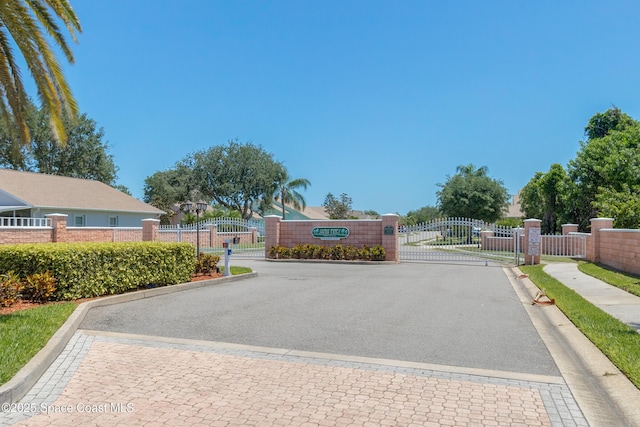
53,191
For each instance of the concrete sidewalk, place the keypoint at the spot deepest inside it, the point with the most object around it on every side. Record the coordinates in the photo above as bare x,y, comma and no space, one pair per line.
616,302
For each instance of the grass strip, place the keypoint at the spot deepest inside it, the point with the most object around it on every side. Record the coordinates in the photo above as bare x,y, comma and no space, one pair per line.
625,281
619,342
238,270
25,332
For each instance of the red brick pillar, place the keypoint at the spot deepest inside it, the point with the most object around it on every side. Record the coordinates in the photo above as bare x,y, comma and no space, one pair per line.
272,233
569,228
390,236
484,240
254,235
150,229
597,224
59,227
532,241
213,235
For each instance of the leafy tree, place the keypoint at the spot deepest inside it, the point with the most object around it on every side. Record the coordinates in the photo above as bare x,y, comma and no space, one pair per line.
371,213
424,214
471,193
544,197
601,124
21,25
85,155
337,208
236,176
165,189
606,164
287,192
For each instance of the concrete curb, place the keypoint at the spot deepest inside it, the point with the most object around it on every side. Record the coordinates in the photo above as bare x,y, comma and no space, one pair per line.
605,395
16,388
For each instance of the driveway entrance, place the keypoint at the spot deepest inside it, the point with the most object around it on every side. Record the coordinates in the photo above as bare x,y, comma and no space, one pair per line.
431,313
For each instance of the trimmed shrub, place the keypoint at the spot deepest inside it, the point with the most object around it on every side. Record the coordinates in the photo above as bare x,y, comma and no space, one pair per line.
10,288
87,270
39,287
207,264
337,252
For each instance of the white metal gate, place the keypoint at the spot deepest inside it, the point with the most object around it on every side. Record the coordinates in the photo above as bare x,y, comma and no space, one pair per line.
458,239
246,237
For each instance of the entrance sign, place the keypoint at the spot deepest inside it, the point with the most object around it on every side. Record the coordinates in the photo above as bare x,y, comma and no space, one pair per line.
534,241
330,233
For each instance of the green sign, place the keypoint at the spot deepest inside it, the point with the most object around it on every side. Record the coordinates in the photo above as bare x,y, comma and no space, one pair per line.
330,233
388,230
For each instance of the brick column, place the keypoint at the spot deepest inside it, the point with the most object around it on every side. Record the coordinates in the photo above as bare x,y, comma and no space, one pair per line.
484,240
150,229
597,224
569,228
390,236
532,241
213,235
59,227
272,233
254,235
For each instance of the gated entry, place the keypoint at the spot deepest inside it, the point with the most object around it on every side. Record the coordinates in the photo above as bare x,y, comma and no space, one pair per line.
458,239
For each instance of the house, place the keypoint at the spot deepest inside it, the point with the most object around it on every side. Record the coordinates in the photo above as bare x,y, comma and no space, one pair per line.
514,210
86,202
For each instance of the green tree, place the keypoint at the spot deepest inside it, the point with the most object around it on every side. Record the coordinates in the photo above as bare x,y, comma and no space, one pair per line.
287,192
85,155
544,197
166,189
424,214
337,208
236,176
601,124
21,25
607,164
471,193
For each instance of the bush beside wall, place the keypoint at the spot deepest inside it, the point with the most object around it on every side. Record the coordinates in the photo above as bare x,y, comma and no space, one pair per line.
84,270
337,252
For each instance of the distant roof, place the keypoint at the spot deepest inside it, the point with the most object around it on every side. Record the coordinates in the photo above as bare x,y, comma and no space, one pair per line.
315,212
54,191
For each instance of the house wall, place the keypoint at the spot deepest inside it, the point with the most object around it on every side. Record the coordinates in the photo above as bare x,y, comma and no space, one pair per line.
95,218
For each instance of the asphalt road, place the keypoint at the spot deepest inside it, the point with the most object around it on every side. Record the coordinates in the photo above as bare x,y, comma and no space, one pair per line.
450,314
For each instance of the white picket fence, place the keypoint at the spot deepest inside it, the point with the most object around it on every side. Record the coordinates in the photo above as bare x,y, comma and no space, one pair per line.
17,222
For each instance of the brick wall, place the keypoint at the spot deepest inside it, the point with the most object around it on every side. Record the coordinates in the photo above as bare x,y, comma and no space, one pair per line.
361,232
59,232
17,235
620,249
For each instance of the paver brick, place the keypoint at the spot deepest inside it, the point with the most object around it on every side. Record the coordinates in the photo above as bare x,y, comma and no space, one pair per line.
200,386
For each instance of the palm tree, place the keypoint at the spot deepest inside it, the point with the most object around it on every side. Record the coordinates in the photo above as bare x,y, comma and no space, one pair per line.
287,192
26,24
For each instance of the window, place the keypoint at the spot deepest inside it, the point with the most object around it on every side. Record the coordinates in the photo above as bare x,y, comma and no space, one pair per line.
79,220
113,221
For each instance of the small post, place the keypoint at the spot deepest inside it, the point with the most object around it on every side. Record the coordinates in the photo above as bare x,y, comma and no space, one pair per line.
227,254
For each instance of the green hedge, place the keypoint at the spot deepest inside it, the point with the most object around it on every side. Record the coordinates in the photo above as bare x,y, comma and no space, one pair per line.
84,270
337,252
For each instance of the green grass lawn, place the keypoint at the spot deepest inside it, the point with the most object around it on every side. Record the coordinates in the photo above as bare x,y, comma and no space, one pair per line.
25,332
619,342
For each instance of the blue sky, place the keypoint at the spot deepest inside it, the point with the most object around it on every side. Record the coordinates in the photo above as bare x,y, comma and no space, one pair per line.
377,99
